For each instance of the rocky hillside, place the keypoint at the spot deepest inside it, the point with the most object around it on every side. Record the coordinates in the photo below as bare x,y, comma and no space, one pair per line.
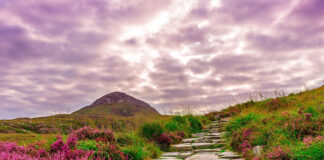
117,103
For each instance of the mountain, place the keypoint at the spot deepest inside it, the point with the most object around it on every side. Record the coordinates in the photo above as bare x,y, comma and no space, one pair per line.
117,103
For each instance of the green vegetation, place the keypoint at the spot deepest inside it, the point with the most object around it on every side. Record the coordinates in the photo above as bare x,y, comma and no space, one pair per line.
137,137
289,127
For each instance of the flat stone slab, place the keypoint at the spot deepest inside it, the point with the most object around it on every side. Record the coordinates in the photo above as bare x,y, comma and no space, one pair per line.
203,156
213,130
170,154
212,137
185,154
229,154
216,141
182,147
199,134
207,150
168,158
190,140
198,145
214,134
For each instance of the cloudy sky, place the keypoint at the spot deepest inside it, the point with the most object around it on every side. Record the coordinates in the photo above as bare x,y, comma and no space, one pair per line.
60,55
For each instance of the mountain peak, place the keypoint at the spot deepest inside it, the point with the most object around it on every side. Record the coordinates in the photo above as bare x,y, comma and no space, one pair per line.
118,103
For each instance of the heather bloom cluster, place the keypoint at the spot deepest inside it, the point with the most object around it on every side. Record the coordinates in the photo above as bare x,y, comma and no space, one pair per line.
278,153
90,133
164,140
59,150
310,140
301,125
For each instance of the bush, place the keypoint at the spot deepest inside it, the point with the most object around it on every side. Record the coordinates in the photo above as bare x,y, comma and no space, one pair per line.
299,126
171,126
175,138
134,153
180,120
241,122
152,130
278,153
86,133
311,149
195,124
312,111
88,145
182,134
164,141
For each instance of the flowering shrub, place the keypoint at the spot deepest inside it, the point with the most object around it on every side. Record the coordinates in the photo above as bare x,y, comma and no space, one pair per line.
108,135
103,146
301,125
175,138
276,104
11,151
109,151
59,145
71,142
278,153
309,140
182,134
86,133
164,141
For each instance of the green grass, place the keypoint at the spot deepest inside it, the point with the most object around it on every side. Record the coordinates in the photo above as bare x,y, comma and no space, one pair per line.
280,125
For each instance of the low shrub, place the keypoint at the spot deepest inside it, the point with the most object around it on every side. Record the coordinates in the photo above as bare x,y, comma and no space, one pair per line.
277,153
175,138
182,134
164,141
152,130
171,126
180,119
195,124
134,153
241,121
311,149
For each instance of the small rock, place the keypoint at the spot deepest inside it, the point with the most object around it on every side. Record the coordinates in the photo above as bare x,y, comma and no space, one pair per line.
257,150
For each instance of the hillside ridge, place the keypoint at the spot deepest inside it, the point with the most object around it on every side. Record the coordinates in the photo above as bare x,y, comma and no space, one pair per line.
118,103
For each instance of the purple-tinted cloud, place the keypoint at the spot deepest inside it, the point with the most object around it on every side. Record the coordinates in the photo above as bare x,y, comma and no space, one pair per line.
60,55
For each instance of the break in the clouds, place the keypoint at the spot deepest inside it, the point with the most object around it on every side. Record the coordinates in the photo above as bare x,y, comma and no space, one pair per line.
59,55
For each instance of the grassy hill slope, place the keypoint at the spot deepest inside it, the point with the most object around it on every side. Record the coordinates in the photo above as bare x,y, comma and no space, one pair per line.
289,127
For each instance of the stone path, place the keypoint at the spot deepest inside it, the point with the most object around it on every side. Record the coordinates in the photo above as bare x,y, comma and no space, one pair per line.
204,146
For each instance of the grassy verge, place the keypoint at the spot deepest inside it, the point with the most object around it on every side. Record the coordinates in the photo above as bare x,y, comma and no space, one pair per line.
289,127
144,141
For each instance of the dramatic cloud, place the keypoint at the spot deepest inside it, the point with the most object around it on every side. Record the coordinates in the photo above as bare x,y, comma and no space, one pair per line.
60,55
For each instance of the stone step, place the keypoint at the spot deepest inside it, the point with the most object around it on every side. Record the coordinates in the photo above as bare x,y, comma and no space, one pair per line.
203,156
212,137
168,158
229,155
215,150
217,141
191,140
199,134
170,154
214,134
202,145
185,154
182,147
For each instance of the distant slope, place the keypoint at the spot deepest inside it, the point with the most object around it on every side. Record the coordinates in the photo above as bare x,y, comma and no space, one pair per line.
117,111
117,103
